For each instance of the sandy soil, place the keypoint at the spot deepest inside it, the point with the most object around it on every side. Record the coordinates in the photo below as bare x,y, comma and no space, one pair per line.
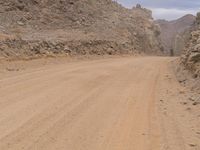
106,104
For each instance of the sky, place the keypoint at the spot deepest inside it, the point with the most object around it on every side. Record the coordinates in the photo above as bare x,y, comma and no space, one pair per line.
166,9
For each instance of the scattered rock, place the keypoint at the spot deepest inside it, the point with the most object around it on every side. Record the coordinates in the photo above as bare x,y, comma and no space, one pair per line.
161,101
12,69
188,109
191,99
183,80
20,23
192,145
196,103
182,92
184,103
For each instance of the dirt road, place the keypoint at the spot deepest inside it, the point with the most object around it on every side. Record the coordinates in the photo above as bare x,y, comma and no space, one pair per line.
108,104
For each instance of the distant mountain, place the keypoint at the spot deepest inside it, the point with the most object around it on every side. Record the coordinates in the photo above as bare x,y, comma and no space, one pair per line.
174,33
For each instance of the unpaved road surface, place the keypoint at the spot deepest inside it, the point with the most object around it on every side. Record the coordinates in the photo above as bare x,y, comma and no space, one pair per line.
108,104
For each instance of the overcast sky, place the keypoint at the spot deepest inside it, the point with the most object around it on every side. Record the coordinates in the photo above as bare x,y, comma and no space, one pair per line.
166,9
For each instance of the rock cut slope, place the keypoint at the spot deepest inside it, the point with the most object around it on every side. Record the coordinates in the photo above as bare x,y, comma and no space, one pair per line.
75,27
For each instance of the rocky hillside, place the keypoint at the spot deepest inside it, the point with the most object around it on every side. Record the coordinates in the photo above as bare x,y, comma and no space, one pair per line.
191,58
46,27
174,34
188,71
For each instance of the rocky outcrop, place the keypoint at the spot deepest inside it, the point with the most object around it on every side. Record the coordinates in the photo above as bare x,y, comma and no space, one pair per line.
175,34
80,21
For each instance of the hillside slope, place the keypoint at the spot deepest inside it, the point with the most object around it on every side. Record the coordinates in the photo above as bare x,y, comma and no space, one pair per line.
75,27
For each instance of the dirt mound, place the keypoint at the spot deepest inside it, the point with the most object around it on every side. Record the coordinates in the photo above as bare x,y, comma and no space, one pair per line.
174,34
80,21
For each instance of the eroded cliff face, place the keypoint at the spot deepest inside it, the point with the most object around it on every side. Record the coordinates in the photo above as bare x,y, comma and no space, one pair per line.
75,27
